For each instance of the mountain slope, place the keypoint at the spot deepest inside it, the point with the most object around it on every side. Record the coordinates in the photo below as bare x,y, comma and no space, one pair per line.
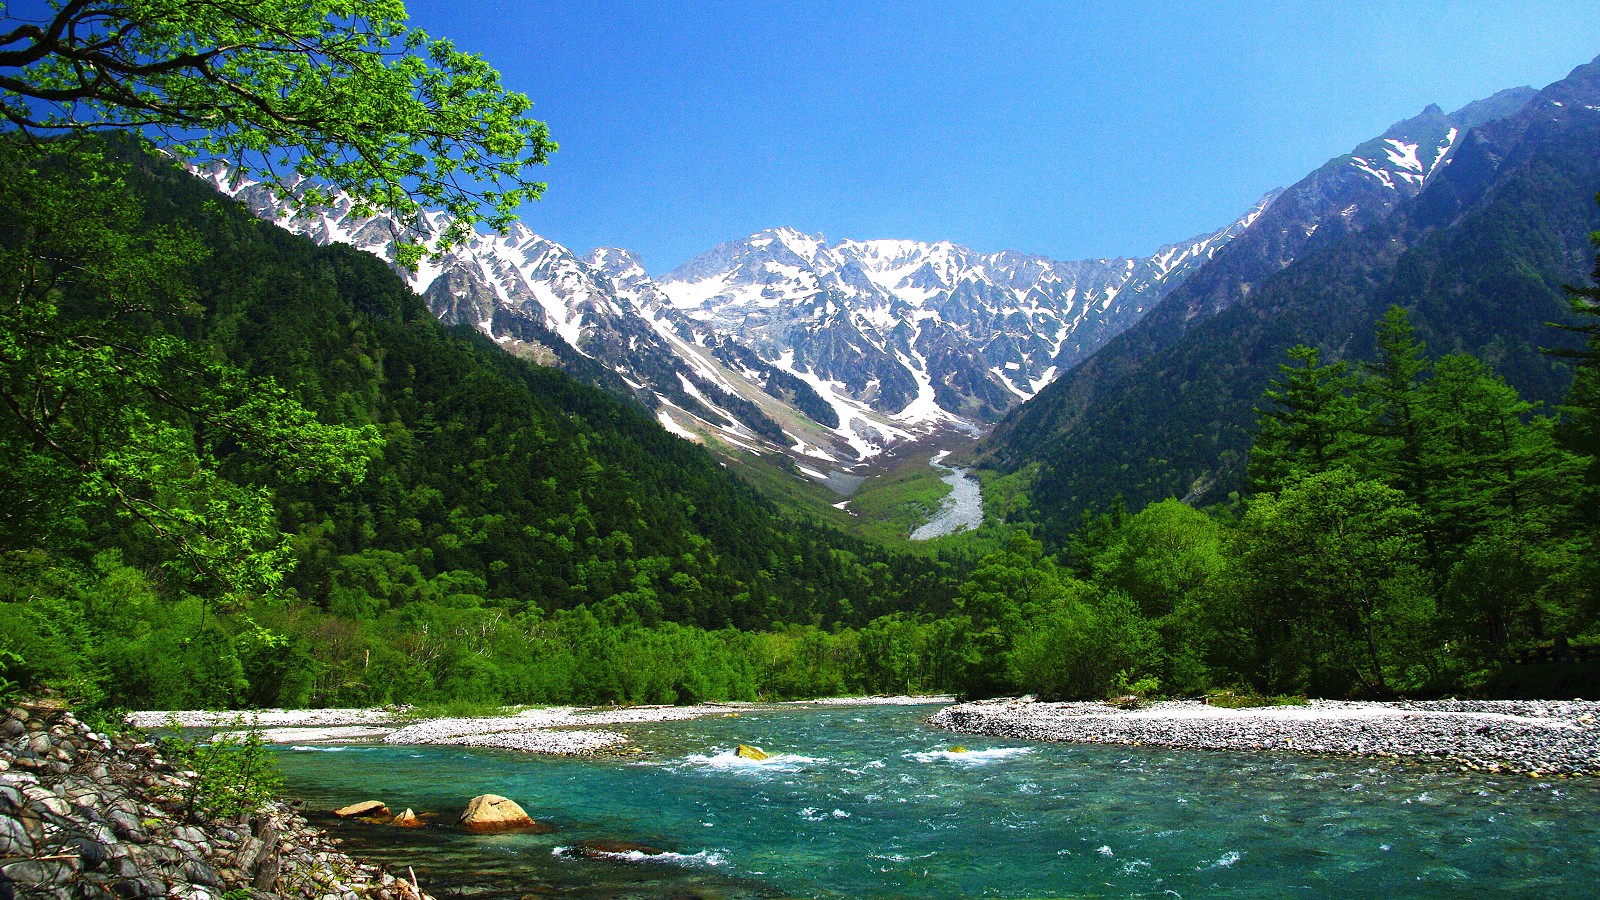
780,344
500,479
1478,252
924,333
1347,194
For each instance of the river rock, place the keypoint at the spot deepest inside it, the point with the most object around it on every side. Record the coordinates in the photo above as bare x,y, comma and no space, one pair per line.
746,751
363,809
408,819
492,812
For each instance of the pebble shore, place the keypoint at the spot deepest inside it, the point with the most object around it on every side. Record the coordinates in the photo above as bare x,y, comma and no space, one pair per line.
1541,738
84,816
555,730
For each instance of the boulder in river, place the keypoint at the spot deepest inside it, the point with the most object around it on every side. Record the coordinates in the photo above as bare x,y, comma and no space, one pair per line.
492,812
364,809
746,751
407,819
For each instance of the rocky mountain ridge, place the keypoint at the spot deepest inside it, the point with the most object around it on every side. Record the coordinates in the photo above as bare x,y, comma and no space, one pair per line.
779,342
782,342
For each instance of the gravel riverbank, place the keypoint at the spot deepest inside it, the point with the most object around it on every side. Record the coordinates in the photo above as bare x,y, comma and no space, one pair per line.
1533,737
556,730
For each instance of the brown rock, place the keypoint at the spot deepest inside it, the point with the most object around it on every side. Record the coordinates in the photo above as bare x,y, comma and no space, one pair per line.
364,808
408,819
492,812
746,751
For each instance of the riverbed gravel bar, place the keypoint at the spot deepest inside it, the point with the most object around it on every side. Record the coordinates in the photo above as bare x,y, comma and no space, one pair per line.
555,730
1542,738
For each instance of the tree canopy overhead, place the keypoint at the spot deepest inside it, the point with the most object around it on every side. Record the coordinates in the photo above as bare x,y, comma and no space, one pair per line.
312,96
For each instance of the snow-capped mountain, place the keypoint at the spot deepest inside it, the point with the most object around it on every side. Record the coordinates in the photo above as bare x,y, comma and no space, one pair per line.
924,333
781,341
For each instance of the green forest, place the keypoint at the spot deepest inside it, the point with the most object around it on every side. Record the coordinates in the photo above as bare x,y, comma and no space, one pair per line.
246,471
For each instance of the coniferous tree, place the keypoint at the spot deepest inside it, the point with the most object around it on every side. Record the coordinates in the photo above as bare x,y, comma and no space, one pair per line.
1309,424
1502,506
1391,395
1580,426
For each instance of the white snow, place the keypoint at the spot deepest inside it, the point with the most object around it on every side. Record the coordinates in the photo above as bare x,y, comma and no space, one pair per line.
564,321
669,424
1382,175
1445,147
1038,384
1403,155
780,287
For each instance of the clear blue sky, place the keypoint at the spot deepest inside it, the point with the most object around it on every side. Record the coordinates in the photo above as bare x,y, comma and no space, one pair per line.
1071,130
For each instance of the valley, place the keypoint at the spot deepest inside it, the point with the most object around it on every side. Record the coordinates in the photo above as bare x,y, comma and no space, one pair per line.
1263,562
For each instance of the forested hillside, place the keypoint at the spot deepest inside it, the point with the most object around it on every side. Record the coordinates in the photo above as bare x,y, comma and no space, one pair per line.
1479,256
497,491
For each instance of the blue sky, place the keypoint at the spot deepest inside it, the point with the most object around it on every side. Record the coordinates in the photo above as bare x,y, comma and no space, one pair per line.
1071,130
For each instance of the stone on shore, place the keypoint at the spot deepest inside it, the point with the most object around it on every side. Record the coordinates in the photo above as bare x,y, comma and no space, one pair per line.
492,812
746,751
364,809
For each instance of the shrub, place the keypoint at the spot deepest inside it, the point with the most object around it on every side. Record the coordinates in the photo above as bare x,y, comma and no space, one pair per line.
234,772
1243,699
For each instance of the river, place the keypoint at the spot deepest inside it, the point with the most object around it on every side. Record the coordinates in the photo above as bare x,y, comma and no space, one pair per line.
870,802
960,509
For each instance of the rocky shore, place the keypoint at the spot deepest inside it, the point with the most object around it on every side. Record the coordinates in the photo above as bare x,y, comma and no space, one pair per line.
91,817
1540,738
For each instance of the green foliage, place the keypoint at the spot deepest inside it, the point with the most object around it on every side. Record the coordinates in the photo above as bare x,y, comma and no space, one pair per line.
903,499
1129,692
338,92
10,664
109,411
1309,424
1237,698
233,772
1085,647
1328,574
246,471
1410,528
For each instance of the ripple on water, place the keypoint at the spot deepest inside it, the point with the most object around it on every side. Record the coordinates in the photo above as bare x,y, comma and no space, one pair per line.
705,858
927,822
968,757
731,761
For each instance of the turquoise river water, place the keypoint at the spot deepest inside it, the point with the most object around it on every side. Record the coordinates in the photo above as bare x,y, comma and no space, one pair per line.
869,802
